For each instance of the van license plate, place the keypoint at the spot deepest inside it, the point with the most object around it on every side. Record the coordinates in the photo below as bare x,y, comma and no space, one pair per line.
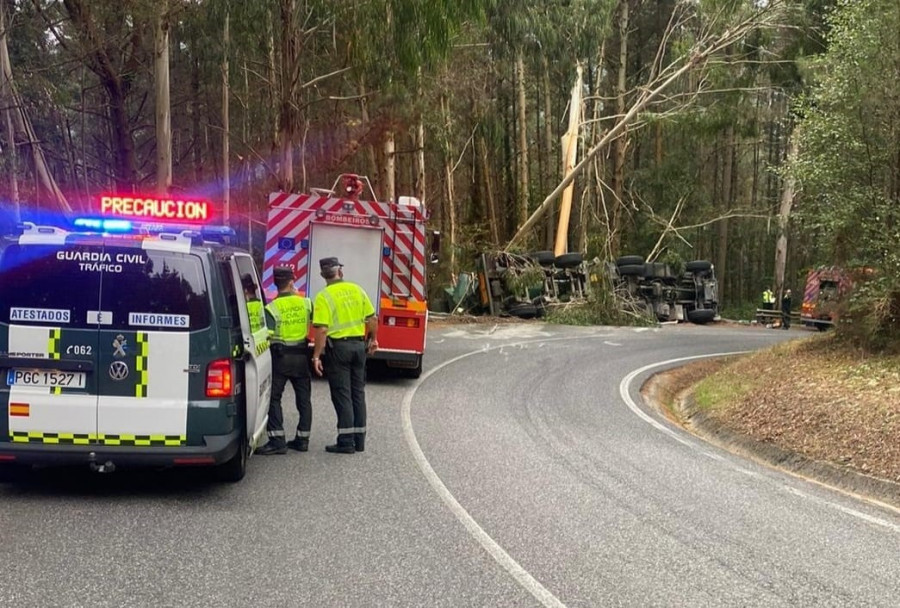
45,377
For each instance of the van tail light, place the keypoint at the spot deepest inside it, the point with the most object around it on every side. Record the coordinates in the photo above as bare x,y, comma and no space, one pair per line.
219,379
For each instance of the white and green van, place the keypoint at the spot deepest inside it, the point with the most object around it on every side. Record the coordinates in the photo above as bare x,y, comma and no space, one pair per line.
128,350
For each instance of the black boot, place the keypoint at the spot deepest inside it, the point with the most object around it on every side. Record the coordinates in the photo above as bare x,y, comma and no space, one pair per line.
301,444
360,441
342,447
273,447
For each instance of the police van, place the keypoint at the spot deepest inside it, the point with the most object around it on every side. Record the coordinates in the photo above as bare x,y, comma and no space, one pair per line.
129,349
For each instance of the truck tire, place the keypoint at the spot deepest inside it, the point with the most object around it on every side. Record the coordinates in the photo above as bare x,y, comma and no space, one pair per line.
701,316
544,258
629,260
234,469
698,266
568,260
524,310
414,372
631,270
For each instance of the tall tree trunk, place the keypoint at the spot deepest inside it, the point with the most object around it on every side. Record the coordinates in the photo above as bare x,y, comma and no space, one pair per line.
420,159
784,216
226,121
522,132
621,143
6,97
448,178
487,174
22,124
369,154
163,106
388,180
548,148
725,208
196,131
570,149
289,70
271,77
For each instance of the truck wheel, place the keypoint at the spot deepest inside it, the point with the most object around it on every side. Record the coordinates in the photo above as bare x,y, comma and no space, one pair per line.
701,316
698,266
544,258
630,260
234,469
414,372
568,260
631,270
525,310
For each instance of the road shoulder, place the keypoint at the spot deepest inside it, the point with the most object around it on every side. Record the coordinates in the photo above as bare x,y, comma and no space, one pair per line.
671,393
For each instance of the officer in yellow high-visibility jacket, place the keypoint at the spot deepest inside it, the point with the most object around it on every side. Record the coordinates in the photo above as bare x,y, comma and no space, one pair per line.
288,317
345,330
768,299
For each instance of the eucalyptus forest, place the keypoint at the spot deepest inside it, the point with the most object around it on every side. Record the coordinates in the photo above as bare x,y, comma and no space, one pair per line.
761,135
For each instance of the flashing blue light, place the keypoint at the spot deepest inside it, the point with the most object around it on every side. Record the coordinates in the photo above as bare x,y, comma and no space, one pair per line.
102,225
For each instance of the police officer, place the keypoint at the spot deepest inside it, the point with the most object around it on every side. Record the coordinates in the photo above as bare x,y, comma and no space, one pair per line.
768,299
288,317
343,317
786,302
254,304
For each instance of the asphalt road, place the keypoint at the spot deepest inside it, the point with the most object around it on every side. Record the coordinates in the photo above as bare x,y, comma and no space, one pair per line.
522,469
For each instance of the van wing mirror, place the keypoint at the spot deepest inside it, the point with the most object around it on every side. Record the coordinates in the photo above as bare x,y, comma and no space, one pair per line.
435,246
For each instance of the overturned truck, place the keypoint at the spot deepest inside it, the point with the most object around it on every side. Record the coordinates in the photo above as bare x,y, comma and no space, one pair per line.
526,285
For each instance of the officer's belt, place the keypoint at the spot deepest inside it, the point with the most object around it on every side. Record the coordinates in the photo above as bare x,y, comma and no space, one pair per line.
351,338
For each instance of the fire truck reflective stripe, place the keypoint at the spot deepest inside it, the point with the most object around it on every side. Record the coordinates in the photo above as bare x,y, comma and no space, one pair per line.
140,364
53,344
57,438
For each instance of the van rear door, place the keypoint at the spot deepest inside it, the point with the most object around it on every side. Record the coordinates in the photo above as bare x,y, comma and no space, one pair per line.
154,302
49,311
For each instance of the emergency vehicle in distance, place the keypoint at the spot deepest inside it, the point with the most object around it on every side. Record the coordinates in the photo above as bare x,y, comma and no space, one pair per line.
126,340
824,288
382,246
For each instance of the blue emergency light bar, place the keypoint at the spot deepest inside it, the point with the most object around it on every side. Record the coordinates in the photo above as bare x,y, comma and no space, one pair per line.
103,225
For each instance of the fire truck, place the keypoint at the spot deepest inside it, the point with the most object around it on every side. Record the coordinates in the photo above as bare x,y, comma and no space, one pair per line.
382,246
824,288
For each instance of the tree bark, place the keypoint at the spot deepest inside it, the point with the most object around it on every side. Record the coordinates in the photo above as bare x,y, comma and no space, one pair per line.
487,173
784,216
22,124
448,178
163,105
371,164
620,144
388,191
522,132
549,146
226,121
723,225
287,114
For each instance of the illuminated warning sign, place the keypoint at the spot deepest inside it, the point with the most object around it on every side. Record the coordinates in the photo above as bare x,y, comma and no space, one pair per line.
176,210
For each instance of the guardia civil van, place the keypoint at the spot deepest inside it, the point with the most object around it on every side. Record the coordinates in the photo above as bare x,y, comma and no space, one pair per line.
131,348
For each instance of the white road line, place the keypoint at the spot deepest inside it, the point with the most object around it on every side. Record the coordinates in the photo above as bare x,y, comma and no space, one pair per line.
625,393
528,582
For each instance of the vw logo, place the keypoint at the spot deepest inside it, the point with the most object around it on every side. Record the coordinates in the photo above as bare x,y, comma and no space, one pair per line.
118,370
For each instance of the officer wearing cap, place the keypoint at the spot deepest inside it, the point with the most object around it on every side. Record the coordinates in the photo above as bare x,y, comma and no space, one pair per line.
343,317
288,317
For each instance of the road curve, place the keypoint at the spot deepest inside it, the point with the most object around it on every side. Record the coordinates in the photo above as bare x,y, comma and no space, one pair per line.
521,470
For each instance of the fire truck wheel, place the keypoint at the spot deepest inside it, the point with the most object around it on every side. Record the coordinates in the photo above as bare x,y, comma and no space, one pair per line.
701,315
544,258
414,372
568,260
698,266
631,270
629,260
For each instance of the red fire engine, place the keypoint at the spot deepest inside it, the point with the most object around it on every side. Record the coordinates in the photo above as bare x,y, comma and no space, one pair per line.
382,246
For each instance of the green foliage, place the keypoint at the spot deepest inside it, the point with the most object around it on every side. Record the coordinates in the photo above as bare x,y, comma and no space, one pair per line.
849,135
600,308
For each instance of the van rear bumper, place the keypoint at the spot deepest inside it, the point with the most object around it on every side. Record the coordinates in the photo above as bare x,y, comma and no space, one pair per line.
217,449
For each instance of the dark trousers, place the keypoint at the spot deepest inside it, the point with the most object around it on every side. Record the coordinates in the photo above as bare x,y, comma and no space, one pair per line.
347,381
293,367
